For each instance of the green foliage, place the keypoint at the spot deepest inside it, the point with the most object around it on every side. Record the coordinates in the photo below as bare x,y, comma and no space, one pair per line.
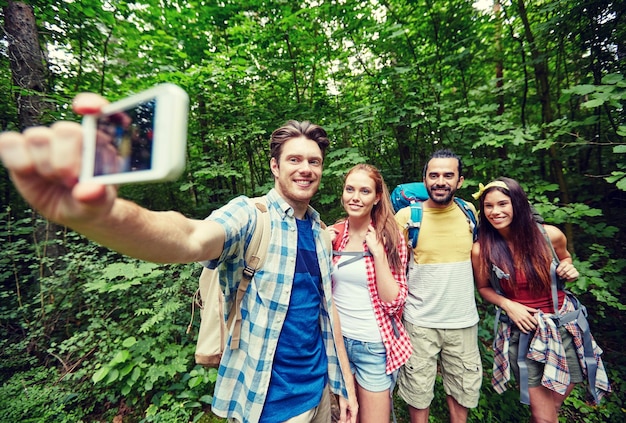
618,177
391,82
123,327
602,277
35,395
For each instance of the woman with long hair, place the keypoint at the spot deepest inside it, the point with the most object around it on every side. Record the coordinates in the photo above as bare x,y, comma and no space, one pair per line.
519,255
369,289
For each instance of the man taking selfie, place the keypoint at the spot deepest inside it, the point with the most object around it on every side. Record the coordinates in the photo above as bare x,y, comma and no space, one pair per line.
280,373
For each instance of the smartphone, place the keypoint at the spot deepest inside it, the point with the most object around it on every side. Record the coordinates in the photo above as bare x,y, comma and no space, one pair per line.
141,138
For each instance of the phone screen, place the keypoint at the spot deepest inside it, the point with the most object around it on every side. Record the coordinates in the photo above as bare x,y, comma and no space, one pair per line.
124,140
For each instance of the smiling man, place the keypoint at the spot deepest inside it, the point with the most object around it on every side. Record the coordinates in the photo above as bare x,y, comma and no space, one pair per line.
288,362
440,313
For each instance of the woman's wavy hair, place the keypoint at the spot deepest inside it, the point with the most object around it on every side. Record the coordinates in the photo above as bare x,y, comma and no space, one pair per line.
382,215
530,254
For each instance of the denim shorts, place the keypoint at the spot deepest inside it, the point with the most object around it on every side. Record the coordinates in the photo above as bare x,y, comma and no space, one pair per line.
368,361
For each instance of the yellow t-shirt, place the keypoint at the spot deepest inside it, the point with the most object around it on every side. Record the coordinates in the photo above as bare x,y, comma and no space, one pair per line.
440,279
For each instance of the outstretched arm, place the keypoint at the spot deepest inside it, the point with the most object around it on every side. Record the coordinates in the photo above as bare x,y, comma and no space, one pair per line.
44,164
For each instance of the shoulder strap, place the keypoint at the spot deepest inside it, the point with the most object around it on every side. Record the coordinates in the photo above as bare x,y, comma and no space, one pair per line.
416,220
356,255
414,223
555,284
254,258
340,228
259,243
543,231
471,217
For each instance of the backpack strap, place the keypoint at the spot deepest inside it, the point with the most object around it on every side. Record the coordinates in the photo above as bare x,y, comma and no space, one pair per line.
556,284
414,223
254,258
494,280
469,214
355,255
579,315
339,227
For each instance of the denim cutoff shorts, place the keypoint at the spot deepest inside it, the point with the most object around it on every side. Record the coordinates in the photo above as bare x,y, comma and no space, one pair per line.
368,361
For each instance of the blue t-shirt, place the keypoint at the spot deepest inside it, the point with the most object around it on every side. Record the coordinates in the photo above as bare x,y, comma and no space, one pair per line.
300,365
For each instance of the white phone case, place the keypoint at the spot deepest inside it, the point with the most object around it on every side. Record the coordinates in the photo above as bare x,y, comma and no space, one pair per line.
142,138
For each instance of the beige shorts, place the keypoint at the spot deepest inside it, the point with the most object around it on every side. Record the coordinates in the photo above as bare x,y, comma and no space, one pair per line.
457,352
320,414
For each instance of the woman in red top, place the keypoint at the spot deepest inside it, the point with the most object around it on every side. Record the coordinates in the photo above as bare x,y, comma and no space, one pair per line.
369,289
511,240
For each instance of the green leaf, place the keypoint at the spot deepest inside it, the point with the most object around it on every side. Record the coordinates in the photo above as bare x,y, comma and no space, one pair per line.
195,381
207,399
612,78
112,376
120,357
583,89
192,404
100,374
129,342
596,102
620,149
127,369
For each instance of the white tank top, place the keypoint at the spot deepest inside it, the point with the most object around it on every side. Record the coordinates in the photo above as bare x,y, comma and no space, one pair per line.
353,301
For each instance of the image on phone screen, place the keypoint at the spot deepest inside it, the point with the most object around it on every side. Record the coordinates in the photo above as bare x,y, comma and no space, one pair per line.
124,140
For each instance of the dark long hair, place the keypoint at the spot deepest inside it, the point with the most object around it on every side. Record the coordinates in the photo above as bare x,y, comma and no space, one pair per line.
531,253
382,215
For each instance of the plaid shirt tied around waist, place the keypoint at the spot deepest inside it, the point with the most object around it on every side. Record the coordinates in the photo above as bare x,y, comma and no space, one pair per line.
546,347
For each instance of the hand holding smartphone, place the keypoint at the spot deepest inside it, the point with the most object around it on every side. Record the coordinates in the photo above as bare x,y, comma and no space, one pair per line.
141,138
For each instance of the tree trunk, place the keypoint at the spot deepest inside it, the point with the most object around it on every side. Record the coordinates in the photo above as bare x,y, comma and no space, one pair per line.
543,88
28,67
27,63
497,13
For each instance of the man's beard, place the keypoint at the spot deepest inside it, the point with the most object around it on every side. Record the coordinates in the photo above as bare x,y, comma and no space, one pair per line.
441,201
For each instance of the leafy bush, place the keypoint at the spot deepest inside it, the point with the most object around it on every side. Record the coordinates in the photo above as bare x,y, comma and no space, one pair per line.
36,396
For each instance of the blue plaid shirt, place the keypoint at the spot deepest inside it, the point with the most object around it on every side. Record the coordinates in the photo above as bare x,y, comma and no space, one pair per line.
244,374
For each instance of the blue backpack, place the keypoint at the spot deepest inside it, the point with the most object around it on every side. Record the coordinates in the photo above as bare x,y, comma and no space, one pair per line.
413,194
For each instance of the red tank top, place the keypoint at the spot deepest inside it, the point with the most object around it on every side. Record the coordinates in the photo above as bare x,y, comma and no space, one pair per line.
530,298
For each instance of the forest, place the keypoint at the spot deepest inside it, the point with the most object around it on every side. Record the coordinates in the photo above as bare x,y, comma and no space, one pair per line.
530,89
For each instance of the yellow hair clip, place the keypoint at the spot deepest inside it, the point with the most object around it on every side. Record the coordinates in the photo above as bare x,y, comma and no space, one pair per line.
482,188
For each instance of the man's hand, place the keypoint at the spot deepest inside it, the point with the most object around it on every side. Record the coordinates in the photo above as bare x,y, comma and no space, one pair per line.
348,409
44,164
